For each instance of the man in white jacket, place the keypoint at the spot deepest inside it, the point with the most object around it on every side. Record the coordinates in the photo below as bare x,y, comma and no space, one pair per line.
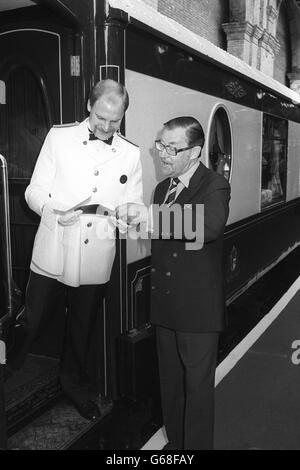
82,164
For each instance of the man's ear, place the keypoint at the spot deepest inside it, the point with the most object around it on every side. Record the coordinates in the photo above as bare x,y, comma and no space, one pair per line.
89,106
196,151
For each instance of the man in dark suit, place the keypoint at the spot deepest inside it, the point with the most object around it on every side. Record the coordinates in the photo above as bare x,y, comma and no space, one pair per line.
187,298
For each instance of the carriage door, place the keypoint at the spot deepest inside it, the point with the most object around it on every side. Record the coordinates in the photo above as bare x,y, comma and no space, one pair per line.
38,93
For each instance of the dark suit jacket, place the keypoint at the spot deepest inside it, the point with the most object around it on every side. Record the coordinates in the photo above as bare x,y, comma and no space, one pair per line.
187,285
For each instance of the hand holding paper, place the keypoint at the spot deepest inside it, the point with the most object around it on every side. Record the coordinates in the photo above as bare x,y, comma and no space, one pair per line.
70,218
62,209
132,213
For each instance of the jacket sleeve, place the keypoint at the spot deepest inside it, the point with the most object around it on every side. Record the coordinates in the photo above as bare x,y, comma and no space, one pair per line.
37,192
216,211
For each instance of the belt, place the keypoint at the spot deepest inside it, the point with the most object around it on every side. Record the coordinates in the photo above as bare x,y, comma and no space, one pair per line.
96,209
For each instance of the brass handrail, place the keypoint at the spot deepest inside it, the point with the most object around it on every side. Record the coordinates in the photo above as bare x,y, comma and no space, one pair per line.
6,237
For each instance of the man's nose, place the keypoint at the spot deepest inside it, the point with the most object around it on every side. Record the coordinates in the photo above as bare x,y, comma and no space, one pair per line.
106,126
164,154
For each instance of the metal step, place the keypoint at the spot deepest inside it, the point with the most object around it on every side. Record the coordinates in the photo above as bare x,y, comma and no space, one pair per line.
30,389
56,429
37,415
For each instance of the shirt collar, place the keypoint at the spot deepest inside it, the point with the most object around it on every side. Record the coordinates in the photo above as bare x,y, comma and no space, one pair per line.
186,177
108,141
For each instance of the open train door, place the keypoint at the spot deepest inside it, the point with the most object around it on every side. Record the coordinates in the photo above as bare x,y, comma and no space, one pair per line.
35,68
37,91
11,304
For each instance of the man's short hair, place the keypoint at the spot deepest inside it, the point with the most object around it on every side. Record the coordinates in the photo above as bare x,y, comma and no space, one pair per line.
109,87
193,129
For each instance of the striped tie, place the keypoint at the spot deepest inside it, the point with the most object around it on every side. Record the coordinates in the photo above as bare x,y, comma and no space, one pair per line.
172,191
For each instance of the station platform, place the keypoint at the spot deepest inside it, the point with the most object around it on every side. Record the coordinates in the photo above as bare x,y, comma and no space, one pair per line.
258,385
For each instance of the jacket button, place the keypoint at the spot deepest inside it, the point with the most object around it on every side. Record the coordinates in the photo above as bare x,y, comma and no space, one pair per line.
168,292
153,270
168,274
84,142
113,150
96,172
153,287
94,189
86,241
175,255
89,224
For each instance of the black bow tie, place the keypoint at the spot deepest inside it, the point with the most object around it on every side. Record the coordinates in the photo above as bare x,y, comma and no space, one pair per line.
93,137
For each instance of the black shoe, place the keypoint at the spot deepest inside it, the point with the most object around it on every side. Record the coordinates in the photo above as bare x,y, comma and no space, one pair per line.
167,447
170,446
88,410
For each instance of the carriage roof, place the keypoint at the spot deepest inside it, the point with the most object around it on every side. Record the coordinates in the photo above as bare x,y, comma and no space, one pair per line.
138,10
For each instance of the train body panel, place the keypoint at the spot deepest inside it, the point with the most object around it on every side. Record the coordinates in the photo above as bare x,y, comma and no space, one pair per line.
160,76
156,101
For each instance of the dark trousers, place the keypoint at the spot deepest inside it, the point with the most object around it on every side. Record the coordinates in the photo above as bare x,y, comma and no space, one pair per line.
83,304
187,363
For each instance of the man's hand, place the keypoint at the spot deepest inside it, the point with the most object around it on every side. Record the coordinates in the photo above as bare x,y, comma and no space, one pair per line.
132,213
70,218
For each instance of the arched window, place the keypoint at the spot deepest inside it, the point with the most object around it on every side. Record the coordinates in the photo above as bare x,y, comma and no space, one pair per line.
26,123
220,143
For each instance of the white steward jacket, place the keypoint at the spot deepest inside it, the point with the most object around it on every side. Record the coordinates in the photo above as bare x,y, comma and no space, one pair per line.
71,169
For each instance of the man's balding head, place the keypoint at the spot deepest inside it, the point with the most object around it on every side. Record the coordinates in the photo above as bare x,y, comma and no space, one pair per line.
107,105
112,90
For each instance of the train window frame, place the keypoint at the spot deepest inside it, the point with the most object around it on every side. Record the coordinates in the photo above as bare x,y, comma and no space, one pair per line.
227,126
276,182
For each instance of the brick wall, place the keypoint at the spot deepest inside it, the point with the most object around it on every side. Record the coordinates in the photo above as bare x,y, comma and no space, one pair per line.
204,17
237,11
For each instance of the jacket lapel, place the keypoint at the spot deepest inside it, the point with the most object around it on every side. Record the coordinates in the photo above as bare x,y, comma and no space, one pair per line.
161,191
187,194
81,132
97,151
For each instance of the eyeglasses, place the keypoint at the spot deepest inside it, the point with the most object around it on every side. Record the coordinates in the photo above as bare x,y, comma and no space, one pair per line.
172,151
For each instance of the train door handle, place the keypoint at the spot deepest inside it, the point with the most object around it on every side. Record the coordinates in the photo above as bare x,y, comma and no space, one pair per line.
2,92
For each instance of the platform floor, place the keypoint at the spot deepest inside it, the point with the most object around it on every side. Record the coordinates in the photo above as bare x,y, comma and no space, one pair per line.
258,386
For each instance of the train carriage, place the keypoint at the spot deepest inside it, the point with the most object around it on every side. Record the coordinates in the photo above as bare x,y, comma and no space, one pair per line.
52,52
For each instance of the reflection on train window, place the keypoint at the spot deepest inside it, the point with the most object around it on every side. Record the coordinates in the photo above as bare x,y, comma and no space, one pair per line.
274,160
26,122
220,146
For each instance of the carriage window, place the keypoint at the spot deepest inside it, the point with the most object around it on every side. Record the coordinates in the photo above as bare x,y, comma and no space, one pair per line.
274,160
220,146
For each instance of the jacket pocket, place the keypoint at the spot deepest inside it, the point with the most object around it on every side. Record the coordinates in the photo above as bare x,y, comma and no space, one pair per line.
48,249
